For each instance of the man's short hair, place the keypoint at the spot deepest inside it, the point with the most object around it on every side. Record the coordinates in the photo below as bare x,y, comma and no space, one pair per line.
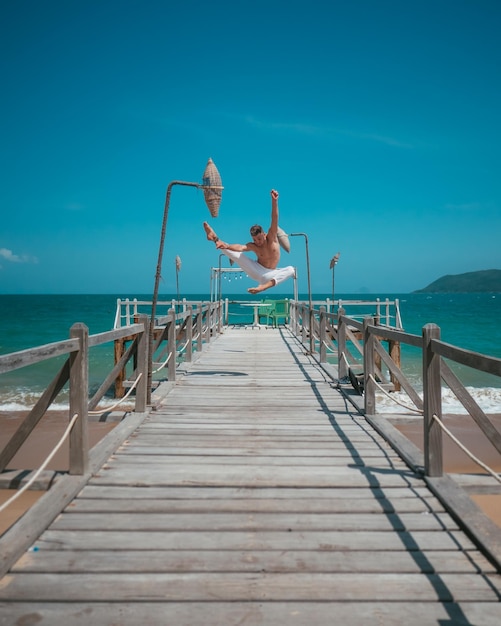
256,230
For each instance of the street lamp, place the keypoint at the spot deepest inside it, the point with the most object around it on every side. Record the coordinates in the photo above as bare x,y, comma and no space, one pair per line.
213,191
309,285
178,268
332,265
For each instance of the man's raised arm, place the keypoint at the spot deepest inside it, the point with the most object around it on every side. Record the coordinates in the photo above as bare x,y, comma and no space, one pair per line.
272,232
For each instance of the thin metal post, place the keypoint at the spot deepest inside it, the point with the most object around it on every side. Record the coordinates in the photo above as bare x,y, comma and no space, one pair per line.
158,272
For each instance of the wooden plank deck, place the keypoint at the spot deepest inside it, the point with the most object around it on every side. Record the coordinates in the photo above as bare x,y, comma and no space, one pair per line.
253,494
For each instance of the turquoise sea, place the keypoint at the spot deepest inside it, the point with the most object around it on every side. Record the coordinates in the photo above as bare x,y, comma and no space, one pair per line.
471,321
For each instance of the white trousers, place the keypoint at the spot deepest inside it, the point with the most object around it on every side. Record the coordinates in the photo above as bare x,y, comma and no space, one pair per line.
257,271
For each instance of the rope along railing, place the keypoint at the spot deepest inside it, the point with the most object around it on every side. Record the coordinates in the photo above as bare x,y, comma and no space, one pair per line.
183,347
465,450
114,406
329,347
163,365
343,356
42,467
75,371
393,399
368,338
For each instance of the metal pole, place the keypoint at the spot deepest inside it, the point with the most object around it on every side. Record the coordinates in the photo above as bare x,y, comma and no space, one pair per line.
310,302
157,279
333,264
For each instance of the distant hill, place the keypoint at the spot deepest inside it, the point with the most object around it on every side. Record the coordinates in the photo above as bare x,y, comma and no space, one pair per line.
471,282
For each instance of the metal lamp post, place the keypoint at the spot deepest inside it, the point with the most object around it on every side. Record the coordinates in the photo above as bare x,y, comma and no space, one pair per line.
312,345
178,268
332,265
213,190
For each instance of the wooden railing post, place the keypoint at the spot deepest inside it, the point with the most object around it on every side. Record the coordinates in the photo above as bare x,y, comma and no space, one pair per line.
311,323
142,364
205,325
219,309
394,351
189,334
119,349
369,368
200,336
342,366
172,347
432,401
79,386
212,307
304,323
322,331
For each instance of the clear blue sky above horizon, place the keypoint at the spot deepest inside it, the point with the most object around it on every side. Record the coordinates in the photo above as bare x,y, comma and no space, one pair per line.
378,122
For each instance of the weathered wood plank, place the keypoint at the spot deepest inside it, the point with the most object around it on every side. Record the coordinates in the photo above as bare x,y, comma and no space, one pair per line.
254,521
27,529
487,533
221,509
426,562
218,613
346,502
326,540
292,433
246,448
239,475
161,460
277,494
236,586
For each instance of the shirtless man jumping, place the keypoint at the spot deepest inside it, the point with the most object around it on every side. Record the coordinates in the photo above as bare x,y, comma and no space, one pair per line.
265,246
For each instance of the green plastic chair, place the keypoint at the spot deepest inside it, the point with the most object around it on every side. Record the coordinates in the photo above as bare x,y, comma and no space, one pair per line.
266,311
280,312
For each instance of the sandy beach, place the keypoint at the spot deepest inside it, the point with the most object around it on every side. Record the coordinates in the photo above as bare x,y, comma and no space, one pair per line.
464,428
456,461
35,450
51,427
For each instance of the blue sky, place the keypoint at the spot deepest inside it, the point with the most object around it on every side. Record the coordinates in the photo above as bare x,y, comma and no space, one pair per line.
377,121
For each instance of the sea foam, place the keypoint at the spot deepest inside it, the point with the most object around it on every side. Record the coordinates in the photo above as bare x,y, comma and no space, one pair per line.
487,398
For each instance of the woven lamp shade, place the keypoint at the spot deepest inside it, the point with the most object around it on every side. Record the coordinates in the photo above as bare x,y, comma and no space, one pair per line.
283,239
334,260
178,263
213,189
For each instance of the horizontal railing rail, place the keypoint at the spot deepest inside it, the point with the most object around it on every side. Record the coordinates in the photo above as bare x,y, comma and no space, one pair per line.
177,335
360,345
74,372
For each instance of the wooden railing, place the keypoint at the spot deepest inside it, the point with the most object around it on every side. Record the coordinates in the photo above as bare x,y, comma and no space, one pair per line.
74,373
359,343
193,327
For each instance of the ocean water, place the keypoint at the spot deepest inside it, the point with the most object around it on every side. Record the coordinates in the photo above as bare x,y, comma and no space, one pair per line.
471,321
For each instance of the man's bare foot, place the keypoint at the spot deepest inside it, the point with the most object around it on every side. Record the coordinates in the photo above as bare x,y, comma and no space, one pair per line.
211,235
259,288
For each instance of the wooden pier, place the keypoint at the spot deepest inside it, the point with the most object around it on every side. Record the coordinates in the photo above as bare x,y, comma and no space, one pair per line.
254,493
